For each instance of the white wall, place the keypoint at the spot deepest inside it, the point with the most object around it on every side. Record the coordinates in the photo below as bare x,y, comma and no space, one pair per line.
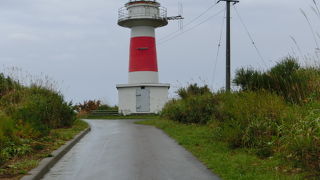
143,77
143,31
158,98
127,99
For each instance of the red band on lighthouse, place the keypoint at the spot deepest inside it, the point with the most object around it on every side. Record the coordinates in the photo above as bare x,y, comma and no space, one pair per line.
143,54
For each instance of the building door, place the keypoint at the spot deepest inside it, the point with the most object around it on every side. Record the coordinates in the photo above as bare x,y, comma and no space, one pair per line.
143,100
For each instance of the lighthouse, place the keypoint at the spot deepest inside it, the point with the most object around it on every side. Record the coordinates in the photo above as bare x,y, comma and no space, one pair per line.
143,94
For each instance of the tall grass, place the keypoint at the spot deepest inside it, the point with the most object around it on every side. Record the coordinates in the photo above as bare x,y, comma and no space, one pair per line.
193,89
28,113
276,113
301,142
287,79
194,109
252,117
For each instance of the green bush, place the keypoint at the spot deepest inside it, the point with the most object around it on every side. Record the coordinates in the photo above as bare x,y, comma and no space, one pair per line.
104,107
6,134
275,112
244,119
108,107
301,143
43,109
194,109
28,113
286,79
251,119
7,84
6,126
88,106
193,90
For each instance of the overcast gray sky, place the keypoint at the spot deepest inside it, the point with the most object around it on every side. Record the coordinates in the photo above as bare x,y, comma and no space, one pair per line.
79,44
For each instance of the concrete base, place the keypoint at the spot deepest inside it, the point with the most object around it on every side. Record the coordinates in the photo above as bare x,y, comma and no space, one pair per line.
142,98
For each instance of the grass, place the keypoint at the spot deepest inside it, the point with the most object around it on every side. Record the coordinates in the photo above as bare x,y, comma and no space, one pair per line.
274,114
227,163
28,115
288,79
16,167
115,117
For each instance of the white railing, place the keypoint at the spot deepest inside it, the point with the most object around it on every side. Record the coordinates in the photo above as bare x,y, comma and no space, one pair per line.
124,14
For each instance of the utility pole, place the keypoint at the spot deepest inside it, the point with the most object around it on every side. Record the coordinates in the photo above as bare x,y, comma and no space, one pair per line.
228,42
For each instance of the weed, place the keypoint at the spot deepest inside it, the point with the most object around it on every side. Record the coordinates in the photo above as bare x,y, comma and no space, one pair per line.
28,113
251,119
192,109
193,90
287,79
302,141
276,113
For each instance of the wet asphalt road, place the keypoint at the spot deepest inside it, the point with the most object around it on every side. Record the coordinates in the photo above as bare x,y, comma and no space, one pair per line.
122,150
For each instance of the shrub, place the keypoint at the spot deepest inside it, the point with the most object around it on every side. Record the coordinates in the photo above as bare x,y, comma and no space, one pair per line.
84,109
312,87
245,119
38,109
174,110
44,110
251,119
286,79
88,106
104,107
107,107
301,143
194,109
193,90
7,138
6,126
251,80
28,113
7,84
259,120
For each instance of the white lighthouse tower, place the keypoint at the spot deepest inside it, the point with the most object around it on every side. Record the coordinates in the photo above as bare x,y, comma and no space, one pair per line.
143,93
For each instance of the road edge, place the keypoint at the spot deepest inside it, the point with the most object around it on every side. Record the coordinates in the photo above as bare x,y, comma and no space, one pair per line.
46,164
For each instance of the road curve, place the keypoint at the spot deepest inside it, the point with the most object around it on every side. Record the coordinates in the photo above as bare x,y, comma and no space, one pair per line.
122,150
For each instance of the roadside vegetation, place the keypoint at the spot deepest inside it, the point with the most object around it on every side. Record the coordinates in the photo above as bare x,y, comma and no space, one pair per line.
269,129
34,120
85,111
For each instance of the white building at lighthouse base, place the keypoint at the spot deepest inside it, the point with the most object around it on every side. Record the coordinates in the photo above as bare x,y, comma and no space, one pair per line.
142,98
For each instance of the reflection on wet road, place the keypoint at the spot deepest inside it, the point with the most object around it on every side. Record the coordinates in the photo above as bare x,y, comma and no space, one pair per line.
122,150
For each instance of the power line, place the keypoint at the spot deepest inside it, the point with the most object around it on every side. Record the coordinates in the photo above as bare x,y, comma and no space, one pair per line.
218,51
193,27
250,36
203,13
190,22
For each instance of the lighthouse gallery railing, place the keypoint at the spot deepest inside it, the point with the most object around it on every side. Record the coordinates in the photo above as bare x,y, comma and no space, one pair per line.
124,14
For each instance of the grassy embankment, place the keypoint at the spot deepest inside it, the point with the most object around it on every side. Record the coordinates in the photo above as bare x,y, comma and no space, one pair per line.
270,129
34,121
